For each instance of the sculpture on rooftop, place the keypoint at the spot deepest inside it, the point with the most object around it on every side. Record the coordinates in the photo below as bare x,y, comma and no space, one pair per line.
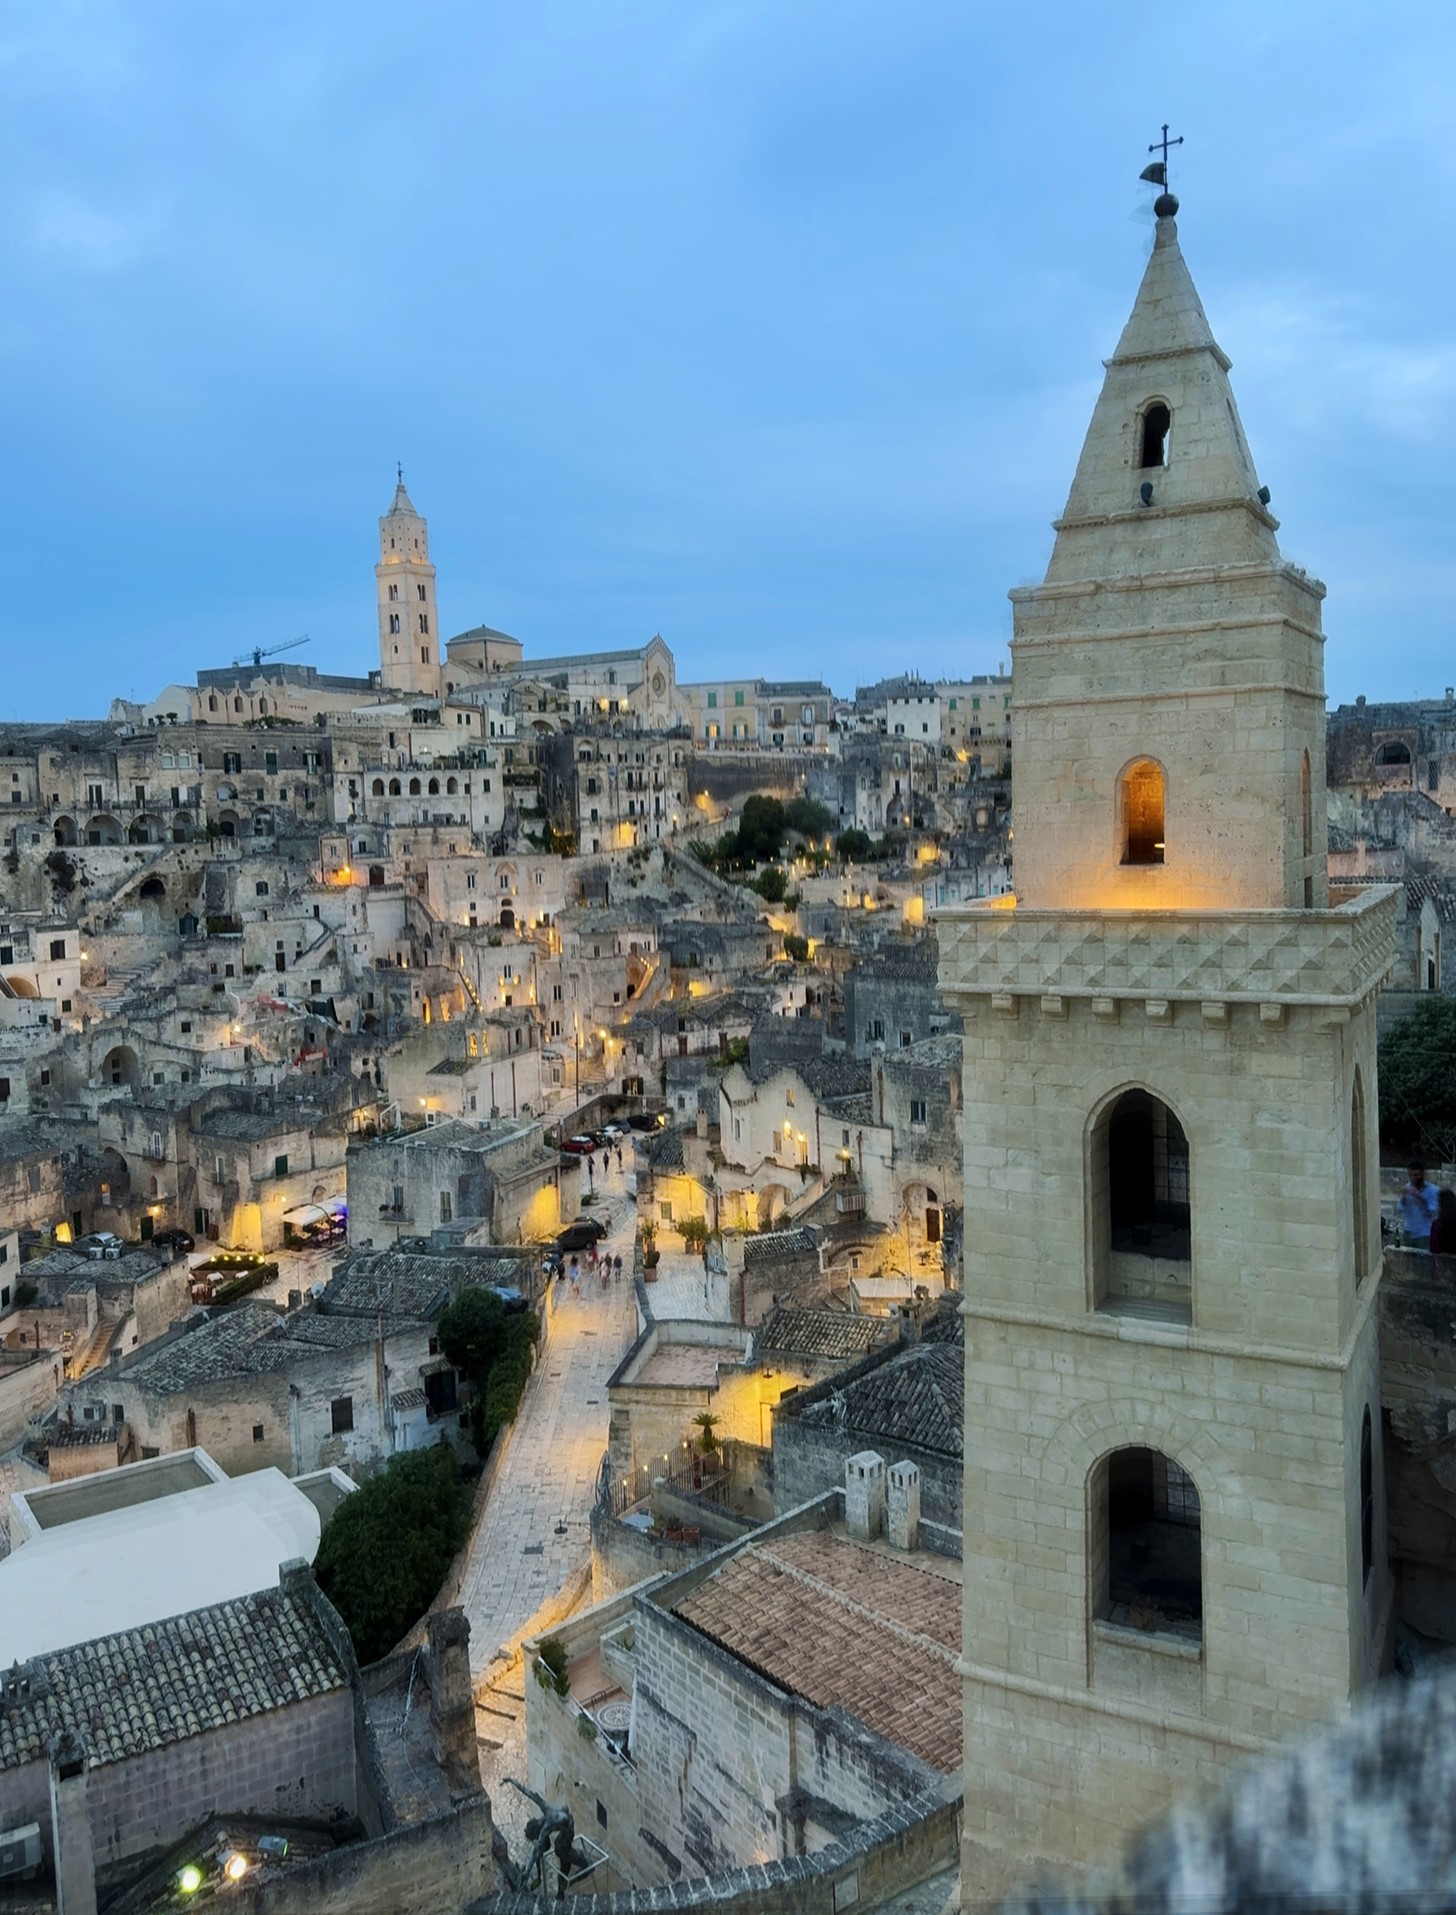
553,1829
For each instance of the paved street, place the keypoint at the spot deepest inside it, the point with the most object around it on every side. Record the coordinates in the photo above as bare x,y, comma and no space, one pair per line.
535,1529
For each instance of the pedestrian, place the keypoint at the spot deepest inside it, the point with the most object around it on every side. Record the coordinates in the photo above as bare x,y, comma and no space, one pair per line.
1443,1230
591,1258
591,1168
619,1156
575,1275
617,1262
1418,1208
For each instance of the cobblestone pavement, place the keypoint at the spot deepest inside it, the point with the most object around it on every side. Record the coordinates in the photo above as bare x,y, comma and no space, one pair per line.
684,1289
535,1528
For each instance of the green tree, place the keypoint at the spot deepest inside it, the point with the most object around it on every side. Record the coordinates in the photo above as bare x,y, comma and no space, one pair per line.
387,1547
797,948
853,846
1417,1069
472,1332
771,884
707,1426
761,829
808,817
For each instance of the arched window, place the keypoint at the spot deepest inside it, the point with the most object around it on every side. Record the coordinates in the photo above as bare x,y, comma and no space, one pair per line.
1157,426
1367,1498
1146,1558
1393,753
377,788
1143,796
1359,1178
263,707
1140,1219
452,785
1306,805
414,790
394,788
434,787
237,704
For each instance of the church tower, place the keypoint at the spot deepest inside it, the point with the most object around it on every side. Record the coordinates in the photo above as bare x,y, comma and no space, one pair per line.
1174,1511
409,628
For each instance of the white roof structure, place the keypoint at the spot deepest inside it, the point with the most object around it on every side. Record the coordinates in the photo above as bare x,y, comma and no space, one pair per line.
133,1546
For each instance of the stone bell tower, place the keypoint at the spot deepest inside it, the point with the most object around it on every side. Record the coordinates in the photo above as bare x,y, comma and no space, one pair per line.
1173,1499
409,626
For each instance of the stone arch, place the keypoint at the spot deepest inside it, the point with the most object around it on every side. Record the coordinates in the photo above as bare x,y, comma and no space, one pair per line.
23,986
773,1200
65,832
396,790
143,830
103,829
152,888
122,1066
924,1214
452,786
1393,752
1142,802
182,828
1145,1543
414,787
1138,1176
433,788
377,788
229,823
1155,433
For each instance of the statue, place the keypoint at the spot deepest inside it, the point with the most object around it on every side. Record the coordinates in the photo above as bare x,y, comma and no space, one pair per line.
555,1829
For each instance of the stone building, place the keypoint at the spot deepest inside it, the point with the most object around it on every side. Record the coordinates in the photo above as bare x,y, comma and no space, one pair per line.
1173,1496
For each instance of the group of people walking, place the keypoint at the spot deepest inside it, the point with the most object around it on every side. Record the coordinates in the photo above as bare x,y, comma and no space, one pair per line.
598,1264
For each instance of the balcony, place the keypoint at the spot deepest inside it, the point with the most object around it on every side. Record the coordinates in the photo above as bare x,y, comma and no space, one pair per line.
1335,957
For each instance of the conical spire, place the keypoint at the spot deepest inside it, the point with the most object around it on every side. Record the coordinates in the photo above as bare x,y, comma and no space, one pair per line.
401,506
1165,481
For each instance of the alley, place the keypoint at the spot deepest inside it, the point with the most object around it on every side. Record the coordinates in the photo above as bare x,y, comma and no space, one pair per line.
535,1528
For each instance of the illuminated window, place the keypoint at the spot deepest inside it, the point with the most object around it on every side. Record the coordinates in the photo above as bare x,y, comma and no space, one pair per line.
1142,813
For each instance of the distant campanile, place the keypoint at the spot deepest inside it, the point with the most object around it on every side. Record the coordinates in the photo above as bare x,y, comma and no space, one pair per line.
409,626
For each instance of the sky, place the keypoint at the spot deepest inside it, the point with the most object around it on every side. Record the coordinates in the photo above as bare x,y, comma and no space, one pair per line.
771,325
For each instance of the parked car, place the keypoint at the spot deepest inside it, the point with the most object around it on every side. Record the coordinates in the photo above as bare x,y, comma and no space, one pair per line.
648,1119
177,1240
611,1132
581,1235
581,1146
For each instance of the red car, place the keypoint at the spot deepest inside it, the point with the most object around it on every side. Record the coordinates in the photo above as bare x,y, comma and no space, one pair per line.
579,1146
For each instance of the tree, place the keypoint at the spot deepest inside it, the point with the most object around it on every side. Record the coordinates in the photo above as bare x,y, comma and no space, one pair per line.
853,846
386,1548
771,884
761,829
707,1426
472,1332
1417,1080
808,817
797,948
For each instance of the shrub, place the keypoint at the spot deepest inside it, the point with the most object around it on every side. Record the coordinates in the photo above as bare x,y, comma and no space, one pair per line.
387,1547
550,1666
797,948
1417,1086
25,1295
771,884
853,846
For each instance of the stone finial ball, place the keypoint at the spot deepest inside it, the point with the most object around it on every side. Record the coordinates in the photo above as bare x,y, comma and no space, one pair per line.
1165,205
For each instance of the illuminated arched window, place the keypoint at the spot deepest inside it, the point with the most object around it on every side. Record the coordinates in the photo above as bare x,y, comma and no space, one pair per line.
1142,812
1157,425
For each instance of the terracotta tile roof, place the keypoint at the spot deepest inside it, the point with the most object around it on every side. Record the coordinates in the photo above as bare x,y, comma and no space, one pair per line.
147,1688
846,1627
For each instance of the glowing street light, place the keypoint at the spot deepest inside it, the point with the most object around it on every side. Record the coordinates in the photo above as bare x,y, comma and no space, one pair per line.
189,1879
235,1867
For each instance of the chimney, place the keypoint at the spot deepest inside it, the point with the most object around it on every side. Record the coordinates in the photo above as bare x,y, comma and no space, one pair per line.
452,1699
902,1523
864,1496
72,1855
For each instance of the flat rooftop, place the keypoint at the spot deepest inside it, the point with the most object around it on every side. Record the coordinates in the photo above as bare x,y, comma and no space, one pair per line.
126,1488
847,1625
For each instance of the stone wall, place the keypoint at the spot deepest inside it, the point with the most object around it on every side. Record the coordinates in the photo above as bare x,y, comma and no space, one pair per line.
420,1870
1418,1388
28,1385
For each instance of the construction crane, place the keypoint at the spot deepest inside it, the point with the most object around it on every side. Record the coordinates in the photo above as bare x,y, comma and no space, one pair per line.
260,652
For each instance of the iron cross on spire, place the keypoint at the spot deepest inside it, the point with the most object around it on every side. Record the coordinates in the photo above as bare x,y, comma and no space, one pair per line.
1157,173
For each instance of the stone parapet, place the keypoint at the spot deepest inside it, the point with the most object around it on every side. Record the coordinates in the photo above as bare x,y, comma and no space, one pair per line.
1334,957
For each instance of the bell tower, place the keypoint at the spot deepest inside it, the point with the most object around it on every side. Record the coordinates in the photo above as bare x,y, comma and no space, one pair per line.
1174,1510
409,628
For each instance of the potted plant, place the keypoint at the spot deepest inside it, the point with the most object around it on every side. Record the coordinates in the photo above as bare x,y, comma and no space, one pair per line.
651,1255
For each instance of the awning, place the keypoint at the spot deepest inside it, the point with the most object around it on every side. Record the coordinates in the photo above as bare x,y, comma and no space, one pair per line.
305,1213
336,1206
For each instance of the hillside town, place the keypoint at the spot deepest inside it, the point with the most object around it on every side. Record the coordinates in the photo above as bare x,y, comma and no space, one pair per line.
610,1286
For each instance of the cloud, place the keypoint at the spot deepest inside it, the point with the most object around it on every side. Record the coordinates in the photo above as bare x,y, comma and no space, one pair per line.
69,232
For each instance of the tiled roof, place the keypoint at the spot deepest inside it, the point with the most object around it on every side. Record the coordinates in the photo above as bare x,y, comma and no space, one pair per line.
249,1340
832,1333
665,1152
773,1246
917,1397
412,1284
146,1688
945,1324
845,1627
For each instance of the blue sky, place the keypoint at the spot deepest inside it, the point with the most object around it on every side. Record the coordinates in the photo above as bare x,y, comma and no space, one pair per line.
775,327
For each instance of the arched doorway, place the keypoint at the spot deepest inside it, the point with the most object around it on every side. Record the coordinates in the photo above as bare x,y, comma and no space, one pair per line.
122,1067
103,829
65,831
